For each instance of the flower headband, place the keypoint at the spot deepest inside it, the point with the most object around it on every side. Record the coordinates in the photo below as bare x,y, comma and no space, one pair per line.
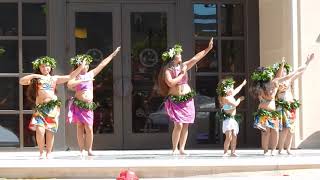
224,85
44,60
167,55
263,74
78,59
277,66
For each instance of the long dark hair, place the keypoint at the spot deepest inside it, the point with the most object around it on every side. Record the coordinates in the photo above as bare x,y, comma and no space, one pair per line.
162,84
32,91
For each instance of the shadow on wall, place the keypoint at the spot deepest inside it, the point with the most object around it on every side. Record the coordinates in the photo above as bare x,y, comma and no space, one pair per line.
311,142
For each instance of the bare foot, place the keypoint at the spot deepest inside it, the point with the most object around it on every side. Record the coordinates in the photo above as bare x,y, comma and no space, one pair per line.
49,156
82,153
280,152
175,152
273,153
42,156
90,153
234,155
289,152
182,152
265,153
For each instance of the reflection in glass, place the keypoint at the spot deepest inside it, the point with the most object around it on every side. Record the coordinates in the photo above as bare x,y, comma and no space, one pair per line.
34,19
29,136
232,20
9,57
233,56
32,49
205,20
9,19
9,130
209,63
208,128
148,41
206,99
93,35
9,93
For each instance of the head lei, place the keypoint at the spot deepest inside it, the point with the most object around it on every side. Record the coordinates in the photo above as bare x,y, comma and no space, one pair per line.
262,74
167,55
277,66
78,59
224,86
44,60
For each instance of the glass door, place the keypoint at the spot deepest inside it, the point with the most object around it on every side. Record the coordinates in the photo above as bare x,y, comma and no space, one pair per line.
95,29
147,32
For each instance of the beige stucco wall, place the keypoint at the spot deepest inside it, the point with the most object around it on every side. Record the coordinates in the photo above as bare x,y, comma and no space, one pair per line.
289,28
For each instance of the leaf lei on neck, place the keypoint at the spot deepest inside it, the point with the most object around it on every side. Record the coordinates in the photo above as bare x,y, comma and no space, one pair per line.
223,86
277,66
167,55
44,60
78,59
262,74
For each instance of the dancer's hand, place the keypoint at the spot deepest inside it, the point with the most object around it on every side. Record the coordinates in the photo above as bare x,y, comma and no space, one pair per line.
184,69
210,46
244,82
241,98
283,60
115,52
309,58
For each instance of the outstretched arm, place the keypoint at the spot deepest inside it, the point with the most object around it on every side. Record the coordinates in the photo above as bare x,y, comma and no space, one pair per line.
105,62
297,72
26,80
280,70
72,75
238,89
190,63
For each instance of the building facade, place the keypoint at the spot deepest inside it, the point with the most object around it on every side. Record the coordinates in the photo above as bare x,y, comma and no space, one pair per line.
130,113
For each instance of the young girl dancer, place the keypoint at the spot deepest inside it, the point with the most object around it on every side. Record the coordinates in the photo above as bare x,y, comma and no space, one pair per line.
81,106
173,82
287,105
46,112
228,104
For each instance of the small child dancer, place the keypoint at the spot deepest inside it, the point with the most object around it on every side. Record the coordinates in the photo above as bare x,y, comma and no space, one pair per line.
228,104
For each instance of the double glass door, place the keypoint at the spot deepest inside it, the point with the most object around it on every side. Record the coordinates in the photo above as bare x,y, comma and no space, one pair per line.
130,113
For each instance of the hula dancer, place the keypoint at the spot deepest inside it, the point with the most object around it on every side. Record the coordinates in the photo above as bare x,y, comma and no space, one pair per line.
173,83
287,105
267,118
228,104
81,106
46,112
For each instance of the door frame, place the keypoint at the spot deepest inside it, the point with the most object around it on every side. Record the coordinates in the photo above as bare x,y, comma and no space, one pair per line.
101,141
141,140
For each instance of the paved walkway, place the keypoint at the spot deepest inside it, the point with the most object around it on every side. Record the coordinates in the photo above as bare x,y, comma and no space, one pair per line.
199,164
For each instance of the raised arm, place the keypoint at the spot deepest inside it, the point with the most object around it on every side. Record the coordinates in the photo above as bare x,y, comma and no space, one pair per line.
26,80
190,63
297,72
171,82
280,70
238,89
105,62
72,75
